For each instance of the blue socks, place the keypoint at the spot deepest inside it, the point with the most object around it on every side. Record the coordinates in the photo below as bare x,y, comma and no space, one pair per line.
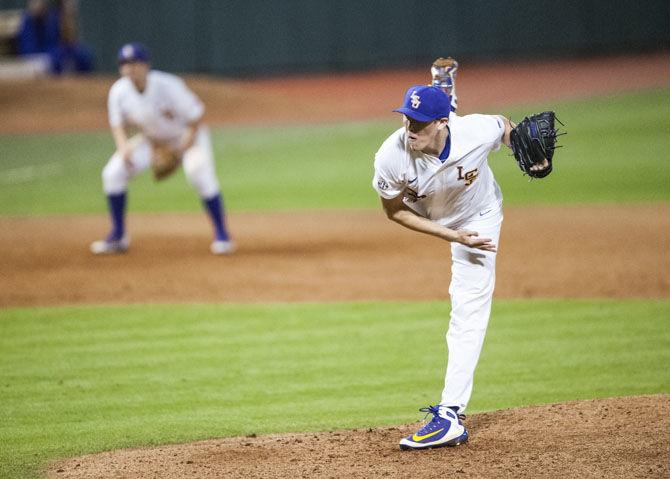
214,207
117,211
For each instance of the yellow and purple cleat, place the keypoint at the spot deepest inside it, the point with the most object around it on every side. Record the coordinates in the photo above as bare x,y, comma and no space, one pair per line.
444,429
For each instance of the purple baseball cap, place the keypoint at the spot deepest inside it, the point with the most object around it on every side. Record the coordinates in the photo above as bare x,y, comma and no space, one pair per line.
133,52
425,103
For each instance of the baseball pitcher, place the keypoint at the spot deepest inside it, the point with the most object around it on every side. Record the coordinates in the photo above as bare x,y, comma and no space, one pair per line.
168,118
433,177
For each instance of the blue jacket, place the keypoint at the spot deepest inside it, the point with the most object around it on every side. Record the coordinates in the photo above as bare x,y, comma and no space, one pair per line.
38,35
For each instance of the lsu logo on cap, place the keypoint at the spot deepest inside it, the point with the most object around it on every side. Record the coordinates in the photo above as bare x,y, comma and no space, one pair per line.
416,100
127,51
425,103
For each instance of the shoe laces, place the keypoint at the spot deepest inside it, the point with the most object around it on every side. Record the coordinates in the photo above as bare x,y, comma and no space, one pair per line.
435,423
435,411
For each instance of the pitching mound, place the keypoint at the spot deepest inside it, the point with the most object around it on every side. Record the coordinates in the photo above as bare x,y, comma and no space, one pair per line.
622,437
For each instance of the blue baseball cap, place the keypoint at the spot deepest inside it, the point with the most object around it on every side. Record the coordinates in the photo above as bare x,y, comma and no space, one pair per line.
425,103
133,52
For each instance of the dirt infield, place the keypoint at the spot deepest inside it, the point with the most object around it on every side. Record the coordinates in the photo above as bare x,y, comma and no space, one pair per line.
358,255
329,256
623,437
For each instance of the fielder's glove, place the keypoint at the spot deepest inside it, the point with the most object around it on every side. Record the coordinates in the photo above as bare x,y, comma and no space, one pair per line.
533,140
165,161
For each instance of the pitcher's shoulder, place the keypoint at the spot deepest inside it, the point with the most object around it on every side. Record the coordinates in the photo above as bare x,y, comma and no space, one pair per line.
476,127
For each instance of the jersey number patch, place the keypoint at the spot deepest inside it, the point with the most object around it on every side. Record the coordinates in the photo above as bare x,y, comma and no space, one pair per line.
468,176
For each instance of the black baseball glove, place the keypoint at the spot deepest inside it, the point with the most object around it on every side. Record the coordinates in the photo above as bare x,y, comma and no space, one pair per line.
533,140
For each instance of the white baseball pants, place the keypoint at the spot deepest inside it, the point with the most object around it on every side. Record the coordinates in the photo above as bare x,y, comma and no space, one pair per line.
198,163
471,291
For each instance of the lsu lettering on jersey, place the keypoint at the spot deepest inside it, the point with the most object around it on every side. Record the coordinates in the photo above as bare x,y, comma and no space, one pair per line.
449,192
162,111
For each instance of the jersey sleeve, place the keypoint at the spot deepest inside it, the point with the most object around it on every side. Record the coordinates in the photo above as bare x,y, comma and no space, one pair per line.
187,103
389,180
493,127
114,113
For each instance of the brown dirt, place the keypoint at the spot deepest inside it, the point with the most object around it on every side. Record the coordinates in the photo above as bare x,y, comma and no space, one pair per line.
358,255
622,437
329,256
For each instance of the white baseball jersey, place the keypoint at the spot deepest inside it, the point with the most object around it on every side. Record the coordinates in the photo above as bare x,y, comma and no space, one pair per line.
449,192
161,111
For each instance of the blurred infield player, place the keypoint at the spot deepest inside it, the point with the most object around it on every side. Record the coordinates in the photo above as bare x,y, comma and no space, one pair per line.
433,177
168,116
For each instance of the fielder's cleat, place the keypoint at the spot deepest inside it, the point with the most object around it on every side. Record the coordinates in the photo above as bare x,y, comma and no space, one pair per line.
222,247
443,73
444,429
108,246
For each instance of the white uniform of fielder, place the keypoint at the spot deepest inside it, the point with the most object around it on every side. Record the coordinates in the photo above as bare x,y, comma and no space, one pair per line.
165,111
162,112
449,192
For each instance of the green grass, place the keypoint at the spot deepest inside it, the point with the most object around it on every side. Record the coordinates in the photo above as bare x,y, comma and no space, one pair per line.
615,151
83,379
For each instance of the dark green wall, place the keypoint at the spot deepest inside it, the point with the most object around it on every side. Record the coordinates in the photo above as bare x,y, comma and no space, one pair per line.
244,37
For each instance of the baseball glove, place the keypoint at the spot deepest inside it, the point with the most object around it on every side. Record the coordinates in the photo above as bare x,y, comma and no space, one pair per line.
165,161
533,140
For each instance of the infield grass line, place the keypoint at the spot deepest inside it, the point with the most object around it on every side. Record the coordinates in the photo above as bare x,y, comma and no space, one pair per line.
615,152
77,380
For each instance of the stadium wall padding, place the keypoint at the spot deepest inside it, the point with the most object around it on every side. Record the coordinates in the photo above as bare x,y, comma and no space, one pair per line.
260,38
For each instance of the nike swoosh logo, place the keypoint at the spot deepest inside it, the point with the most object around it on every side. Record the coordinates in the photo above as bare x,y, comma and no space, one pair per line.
430,434
484,212
412,181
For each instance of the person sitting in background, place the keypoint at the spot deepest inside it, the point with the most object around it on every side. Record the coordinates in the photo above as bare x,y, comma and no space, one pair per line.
38,31
50,31
73,54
